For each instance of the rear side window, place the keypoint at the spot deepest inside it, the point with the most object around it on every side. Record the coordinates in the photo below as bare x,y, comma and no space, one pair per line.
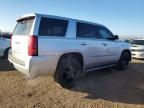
23,27
86,30
53,27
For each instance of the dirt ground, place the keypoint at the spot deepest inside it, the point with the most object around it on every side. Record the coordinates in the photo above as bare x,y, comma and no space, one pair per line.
101,89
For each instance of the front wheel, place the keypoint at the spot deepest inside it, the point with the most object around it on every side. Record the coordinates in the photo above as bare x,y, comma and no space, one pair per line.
67,71
124,61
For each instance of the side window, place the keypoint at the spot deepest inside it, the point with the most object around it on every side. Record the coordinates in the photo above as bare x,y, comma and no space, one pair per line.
53,27
105,33
86,30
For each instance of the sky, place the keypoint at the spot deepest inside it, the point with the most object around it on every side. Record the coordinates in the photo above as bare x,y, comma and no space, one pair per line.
122,17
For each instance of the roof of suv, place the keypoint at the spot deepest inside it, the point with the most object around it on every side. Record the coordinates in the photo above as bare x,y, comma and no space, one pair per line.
53,16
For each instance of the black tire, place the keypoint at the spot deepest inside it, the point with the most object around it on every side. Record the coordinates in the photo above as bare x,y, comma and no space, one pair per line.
67,71
6,53
124,61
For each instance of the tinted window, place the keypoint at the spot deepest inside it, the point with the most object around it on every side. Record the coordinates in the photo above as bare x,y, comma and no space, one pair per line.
6,36
105,33
23,27
86,30
53,27
138,42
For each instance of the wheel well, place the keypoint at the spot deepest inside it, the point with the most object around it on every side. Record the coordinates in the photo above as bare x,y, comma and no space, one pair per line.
6,51
128,52
76,55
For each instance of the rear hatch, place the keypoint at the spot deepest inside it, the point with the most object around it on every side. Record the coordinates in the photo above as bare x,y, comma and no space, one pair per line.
20,38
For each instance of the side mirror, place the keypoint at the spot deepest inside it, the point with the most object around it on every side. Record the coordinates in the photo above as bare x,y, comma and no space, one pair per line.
116,37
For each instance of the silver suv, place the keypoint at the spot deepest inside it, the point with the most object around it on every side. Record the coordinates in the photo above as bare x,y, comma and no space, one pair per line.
64,47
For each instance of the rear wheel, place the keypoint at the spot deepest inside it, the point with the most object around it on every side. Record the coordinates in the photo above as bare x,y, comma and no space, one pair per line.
67,71
124,61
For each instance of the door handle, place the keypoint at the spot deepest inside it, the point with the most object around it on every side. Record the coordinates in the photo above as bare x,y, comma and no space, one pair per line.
83,44
104,44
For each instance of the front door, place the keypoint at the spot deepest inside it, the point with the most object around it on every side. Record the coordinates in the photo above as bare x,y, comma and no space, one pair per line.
93,49
112,49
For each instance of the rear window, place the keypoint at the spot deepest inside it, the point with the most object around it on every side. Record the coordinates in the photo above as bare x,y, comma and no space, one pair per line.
53,27
23,27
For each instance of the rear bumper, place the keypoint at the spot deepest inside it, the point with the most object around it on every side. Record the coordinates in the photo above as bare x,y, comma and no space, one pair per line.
18,65
35,66
139,55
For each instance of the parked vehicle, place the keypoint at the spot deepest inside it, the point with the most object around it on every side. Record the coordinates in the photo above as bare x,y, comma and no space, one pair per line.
4,47
64,47
6,36
137,48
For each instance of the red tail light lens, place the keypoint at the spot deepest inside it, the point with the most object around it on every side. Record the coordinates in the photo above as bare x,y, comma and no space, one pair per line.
33,46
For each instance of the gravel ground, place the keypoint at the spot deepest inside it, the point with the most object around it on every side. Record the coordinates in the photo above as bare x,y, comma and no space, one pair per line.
101,89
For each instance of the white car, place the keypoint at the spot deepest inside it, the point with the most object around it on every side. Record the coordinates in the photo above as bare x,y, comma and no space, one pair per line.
4,47
137,48
64,47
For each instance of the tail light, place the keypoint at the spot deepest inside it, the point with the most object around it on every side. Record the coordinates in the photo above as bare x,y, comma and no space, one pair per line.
33,46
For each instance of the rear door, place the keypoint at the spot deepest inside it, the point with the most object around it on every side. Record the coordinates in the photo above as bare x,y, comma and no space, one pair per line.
20,37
